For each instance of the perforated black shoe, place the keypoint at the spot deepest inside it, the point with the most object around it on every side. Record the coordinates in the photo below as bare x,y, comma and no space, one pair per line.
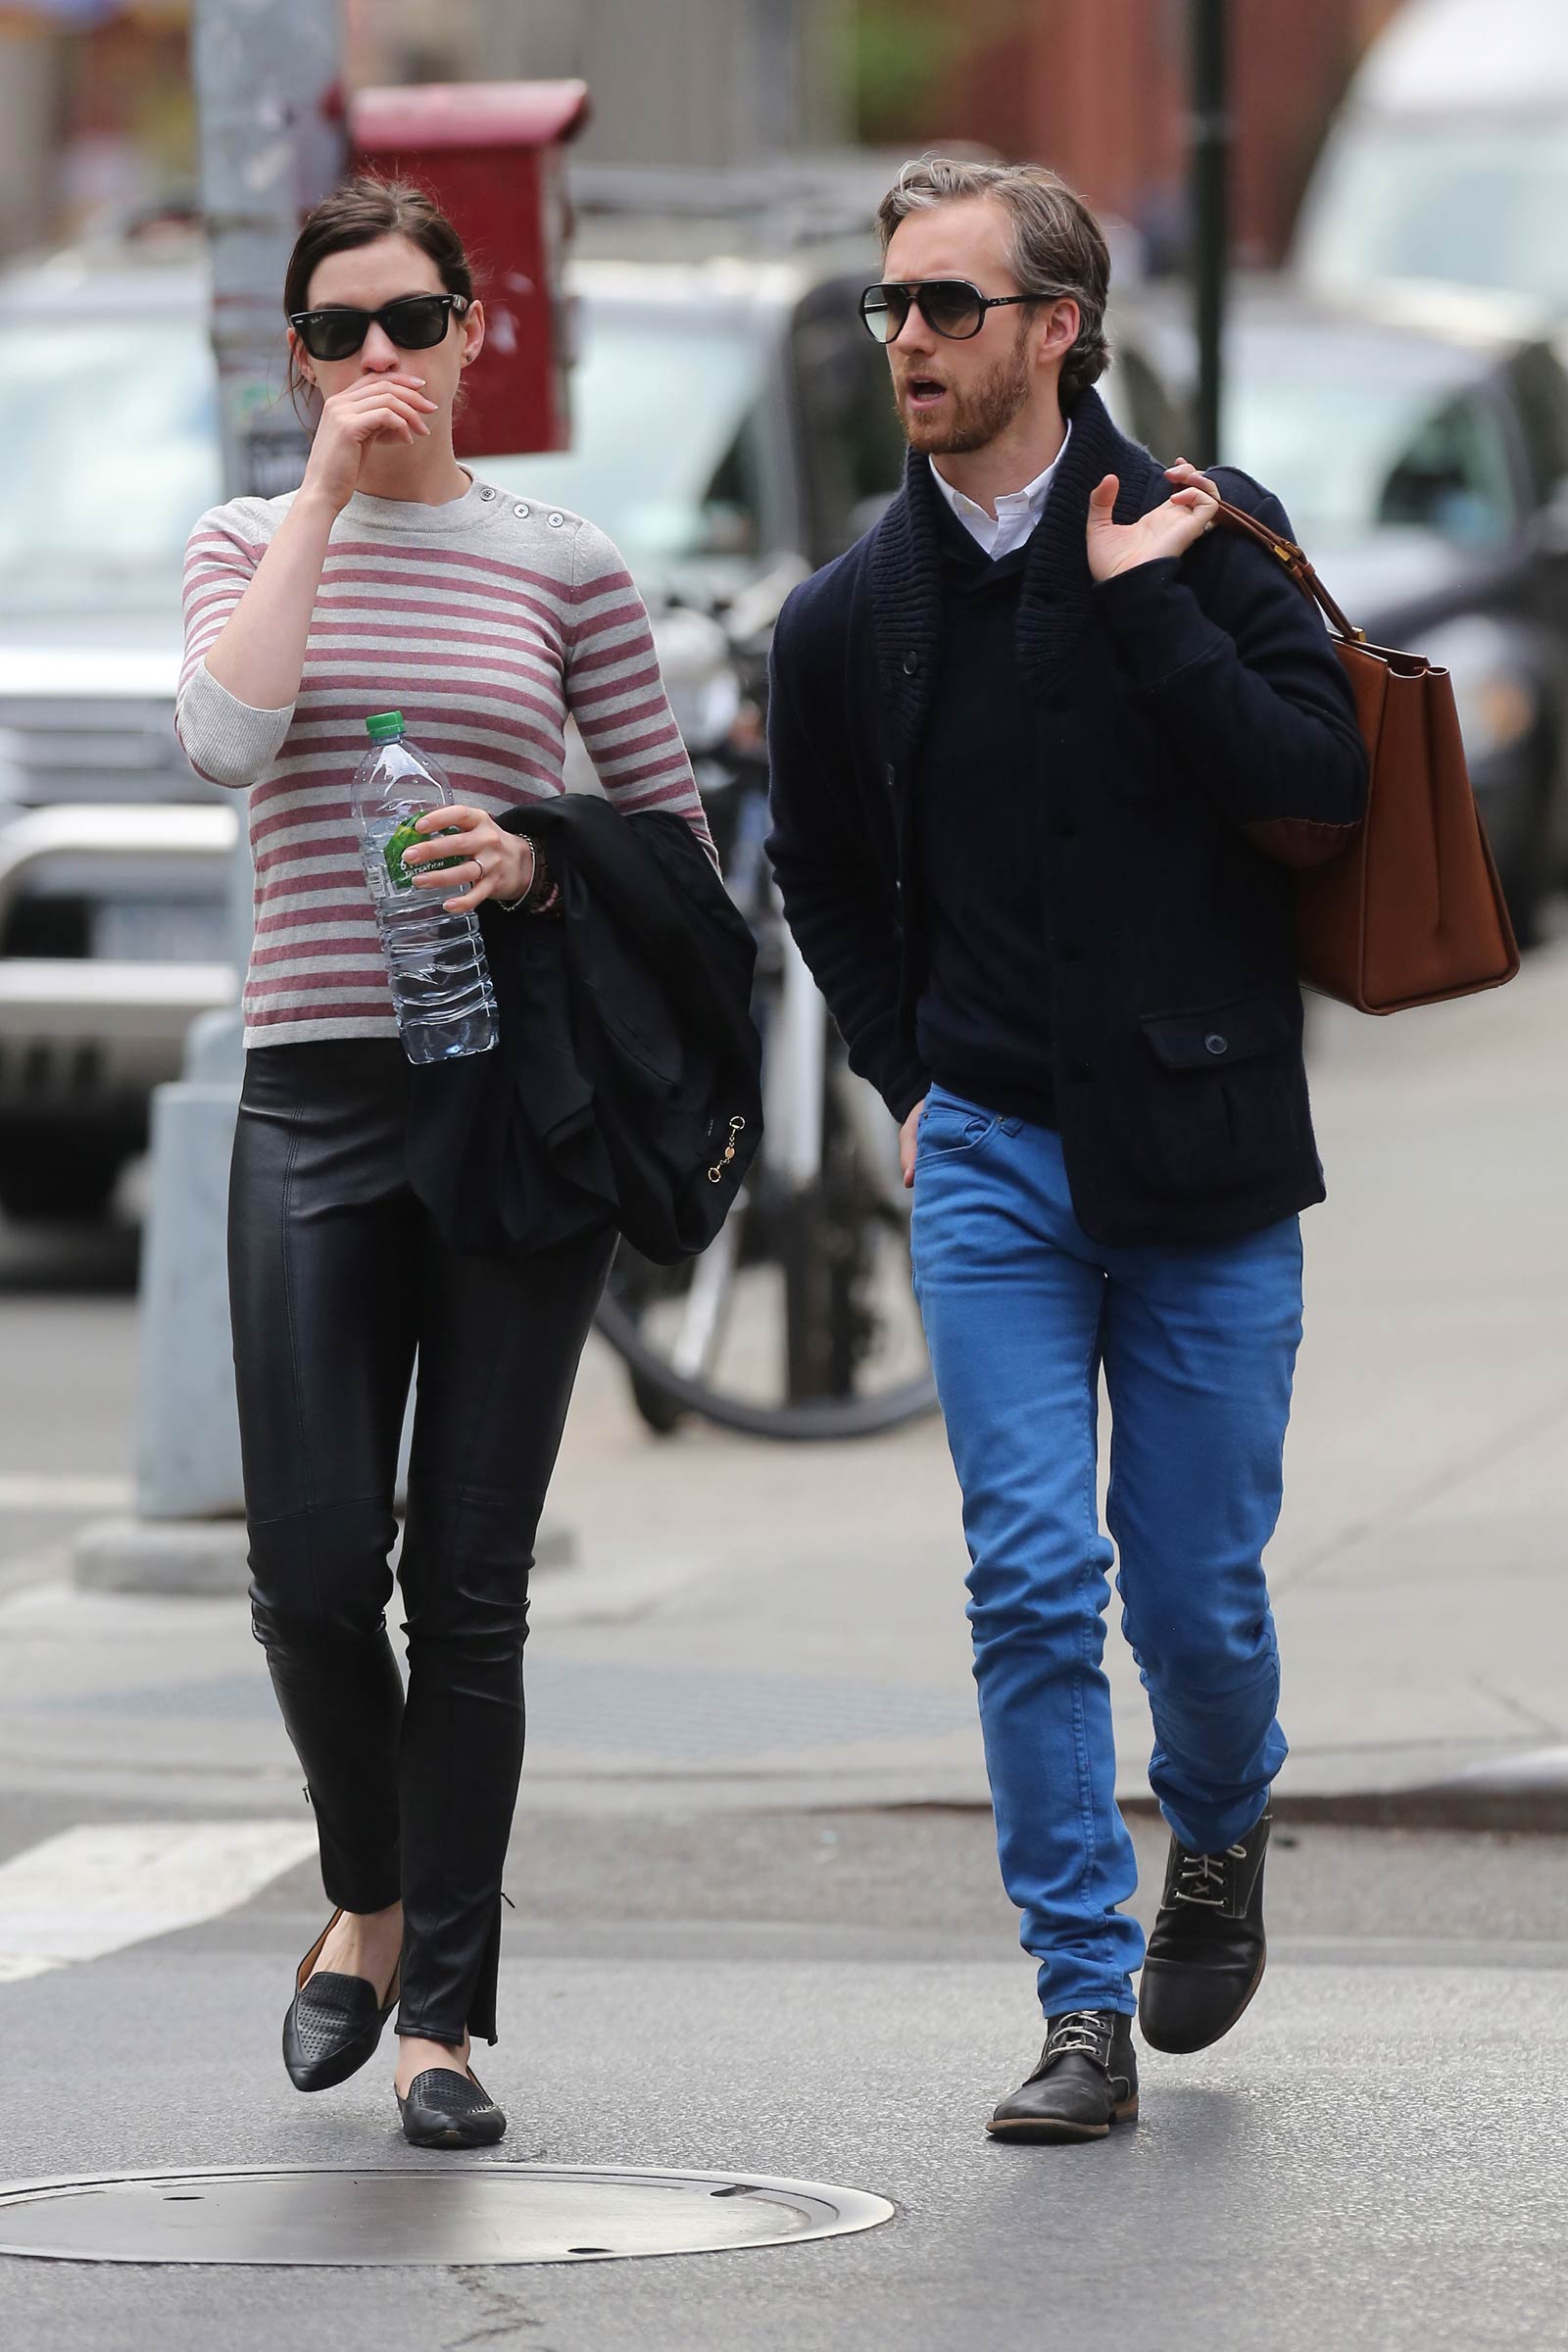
447,2110
1087,2079
1207,1951
333,2022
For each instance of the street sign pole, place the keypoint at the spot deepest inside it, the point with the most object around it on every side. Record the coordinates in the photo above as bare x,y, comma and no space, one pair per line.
1212,133
269,78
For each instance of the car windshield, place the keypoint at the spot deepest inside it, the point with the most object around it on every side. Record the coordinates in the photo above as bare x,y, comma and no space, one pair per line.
110,433
1481,205
661,402
662,399
1350,453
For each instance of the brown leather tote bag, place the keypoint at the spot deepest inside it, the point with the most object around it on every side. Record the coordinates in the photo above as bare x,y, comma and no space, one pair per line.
1408,908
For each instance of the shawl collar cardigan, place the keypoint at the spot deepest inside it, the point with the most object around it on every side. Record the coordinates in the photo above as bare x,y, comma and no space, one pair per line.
1057,598
1185,710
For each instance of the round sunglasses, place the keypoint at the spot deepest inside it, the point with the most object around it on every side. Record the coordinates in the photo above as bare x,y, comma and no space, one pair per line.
950,306
414,322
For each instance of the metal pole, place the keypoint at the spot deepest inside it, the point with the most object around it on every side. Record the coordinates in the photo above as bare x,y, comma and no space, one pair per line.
268,93
1211,132
268,77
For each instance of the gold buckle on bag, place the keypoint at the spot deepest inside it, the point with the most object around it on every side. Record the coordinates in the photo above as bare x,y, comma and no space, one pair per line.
735,1126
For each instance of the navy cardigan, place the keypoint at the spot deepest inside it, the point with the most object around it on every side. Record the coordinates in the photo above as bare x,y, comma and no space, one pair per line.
1193,712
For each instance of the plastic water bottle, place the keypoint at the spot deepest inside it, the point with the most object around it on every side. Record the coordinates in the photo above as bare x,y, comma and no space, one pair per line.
441,988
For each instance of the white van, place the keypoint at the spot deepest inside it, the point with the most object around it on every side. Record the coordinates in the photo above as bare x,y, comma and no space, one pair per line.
1449,158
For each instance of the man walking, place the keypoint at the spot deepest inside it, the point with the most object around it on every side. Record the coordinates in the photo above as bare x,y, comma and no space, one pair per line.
1037,742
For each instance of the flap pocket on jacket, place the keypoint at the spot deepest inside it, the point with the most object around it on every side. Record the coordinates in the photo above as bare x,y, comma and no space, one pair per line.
1218,1034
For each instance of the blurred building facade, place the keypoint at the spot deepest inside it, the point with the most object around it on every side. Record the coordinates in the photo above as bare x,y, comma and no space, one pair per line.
673,81
1098,89
96,112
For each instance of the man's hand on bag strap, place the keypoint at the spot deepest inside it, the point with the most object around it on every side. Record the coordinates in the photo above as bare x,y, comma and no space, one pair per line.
1168,530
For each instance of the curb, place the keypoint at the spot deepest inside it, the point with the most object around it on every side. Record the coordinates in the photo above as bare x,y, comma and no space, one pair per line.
1526,1793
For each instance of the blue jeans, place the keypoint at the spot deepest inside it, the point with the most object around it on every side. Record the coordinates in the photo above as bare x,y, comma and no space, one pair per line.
1198,1343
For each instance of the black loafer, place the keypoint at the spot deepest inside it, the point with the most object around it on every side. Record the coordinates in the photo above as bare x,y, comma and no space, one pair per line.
1207,1951
333,2022
1087,2079
447,2110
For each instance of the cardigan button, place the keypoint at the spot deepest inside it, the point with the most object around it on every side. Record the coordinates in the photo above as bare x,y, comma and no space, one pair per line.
890,775
911,663
1072,951
1217,1043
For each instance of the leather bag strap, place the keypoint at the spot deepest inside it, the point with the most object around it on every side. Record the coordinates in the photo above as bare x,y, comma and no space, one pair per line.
1297,563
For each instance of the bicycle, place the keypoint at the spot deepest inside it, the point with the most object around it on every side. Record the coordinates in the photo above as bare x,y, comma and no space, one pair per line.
798,1321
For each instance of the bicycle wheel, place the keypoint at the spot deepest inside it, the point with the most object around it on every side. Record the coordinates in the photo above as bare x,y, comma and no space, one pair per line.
798,1320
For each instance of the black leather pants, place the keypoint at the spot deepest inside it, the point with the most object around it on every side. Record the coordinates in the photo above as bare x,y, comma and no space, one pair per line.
337,1283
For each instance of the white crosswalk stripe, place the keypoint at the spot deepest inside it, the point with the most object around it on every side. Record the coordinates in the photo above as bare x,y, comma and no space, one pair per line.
102,1885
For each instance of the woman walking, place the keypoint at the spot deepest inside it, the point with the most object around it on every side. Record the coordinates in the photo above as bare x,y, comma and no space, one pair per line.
394,577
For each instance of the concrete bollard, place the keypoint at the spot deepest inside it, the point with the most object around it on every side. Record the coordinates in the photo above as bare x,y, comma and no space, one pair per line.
188,1453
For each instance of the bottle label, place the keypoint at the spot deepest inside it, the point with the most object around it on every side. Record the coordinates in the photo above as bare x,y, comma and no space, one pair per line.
406,836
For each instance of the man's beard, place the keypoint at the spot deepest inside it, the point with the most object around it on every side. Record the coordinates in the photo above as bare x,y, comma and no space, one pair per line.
977,417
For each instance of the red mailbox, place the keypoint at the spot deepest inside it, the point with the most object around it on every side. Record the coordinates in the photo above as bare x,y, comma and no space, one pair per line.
490,154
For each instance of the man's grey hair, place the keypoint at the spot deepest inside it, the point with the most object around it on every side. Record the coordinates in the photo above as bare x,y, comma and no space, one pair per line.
1056,247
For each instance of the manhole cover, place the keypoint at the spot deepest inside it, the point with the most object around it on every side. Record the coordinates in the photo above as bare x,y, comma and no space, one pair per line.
418,2214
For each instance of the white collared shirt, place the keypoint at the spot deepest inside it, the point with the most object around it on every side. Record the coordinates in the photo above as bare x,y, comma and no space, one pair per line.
1018,510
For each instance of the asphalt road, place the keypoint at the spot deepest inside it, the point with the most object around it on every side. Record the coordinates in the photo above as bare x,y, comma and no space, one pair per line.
1372,2159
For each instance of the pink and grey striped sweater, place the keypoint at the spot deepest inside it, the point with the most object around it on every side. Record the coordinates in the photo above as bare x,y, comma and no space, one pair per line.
487,623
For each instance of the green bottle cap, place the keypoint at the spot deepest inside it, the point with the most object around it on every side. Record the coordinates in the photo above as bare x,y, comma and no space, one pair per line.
385,727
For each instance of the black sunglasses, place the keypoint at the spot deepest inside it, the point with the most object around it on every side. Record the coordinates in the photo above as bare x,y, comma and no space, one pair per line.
950,306
414,322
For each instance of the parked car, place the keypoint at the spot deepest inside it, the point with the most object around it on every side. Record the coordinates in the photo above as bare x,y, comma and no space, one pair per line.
1420,447
734,429
1449,156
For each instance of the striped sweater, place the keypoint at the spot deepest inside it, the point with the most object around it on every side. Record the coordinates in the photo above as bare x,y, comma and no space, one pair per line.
486,621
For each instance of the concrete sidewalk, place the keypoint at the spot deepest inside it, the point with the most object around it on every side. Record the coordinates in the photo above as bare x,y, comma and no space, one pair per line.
755,1625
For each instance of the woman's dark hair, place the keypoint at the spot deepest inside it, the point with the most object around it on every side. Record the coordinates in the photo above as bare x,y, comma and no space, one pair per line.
359,211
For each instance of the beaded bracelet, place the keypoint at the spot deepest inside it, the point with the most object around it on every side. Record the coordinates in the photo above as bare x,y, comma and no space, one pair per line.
543,894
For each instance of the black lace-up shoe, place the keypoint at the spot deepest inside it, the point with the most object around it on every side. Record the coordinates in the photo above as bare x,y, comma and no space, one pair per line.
1207,1954
333,2022
1087,2079
447,2110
